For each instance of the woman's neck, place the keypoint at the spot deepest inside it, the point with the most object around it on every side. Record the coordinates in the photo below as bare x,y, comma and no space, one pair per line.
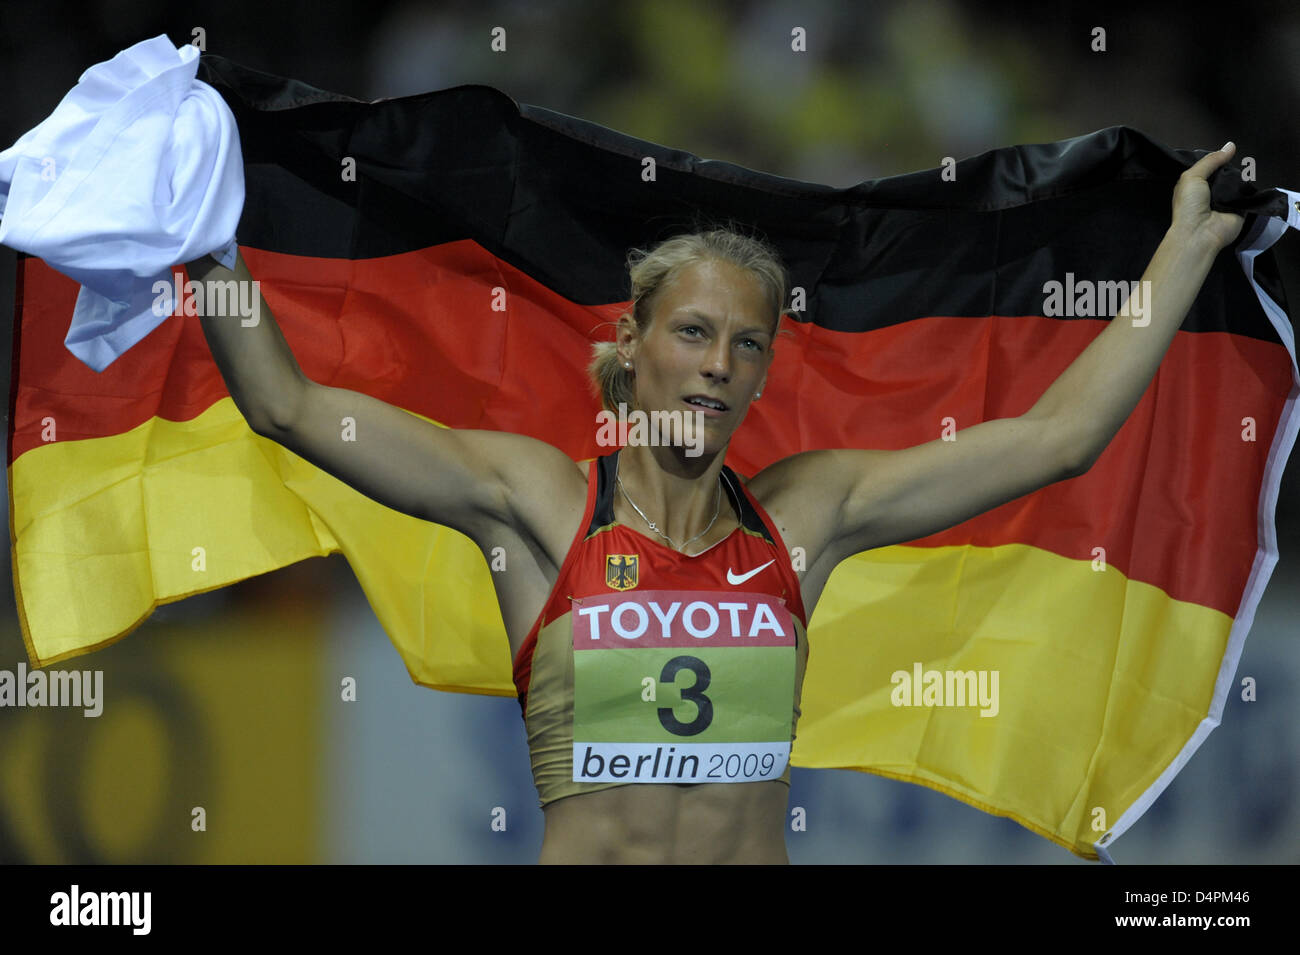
680,494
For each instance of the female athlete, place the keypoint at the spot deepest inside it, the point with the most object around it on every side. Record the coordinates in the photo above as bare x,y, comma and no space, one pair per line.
655,548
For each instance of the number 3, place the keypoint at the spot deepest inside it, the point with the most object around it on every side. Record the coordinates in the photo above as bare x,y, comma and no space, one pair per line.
692,694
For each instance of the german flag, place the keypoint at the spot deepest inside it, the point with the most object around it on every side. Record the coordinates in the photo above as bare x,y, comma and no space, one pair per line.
456,254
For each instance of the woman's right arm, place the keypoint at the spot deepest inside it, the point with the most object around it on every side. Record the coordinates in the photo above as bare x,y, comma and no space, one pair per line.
454,477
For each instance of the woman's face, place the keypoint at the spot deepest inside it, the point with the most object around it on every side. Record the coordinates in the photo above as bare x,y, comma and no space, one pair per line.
710,336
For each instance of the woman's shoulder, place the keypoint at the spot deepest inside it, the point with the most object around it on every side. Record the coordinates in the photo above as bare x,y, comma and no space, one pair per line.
537,478
794,491
780,476
803,494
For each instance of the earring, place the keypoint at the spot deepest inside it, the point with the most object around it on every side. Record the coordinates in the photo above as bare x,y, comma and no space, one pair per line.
756,394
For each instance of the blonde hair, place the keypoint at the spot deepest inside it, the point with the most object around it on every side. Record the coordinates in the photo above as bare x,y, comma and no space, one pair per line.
651,270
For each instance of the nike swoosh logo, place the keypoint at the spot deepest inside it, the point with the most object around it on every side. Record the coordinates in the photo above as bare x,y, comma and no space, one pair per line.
741,578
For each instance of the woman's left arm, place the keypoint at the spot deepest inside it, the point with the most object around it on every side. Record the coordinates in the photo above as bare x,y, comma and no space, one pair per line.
879,498
1093,397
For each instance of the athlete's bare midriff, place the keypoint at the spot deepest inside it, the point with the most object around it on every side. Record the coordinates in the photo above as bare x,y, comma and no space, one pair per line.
665,824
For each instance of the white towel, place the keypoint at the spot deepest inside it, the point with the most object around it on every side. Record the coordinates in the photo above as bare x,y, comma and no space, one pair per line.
136,170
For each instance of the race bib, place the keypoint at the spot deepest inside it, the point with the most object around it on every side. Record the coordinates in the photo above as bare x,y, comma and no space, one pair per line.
675,686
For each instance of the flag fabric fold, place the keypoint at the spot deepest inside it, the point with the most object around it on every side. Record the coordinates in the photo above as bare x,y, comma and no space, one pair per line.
456,254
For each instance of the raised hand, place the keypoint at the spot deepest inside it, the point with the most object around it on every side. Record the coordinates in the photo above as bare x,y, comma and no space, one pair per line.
1192,214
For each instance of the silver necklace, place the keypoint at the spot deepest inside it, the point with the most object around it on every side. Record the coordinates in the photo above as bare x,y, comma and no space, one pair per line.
716,506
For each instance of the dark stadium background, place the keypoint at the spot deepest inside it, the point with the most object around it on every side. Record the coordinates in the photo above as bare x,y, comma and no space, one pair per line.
230,700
